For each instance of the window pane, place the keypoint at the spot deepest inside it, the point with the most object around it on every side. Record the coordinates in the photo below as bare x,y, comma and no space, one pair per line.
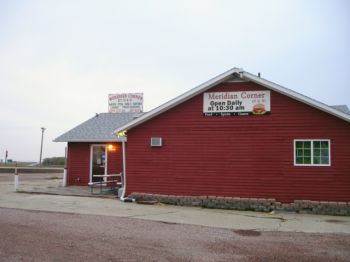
307,144
324,152
317,160
300,152
317,144
317,152
299,144
324,144
307,152
325,160
307,160
299,160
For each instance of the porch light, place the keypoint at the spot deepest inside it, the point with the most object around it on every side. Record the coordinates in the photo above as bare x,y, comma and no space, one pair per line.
122,133
111,147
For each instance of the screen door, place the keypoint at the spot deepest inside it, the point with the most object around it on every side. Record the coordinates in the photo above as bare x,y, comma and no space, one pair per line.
99,160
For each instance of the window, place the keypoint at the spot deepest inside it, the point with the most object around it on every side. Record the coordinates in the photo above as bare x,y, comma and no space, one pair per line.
156,141
312,152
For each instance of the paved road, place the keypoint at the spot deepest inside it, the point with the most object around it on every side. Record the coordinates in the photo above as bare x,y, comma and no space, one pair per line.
48,236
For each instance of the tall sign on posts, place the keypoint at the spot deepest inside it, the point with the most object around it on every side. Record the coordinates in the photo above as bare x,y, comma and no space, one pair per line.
125,103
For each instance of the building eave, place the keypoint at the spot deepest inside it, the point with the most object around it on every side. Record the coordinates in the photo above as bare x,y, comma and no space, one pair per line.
178,100
223,77
295,95
121,139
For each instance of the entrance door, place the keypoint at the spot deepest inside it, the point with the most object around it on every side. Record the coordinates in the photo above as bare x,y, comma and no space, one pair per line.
98,162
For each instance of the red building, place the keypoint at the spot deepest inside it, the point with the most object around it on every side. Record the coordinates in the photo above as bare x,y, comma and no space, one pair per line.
237,135
93,149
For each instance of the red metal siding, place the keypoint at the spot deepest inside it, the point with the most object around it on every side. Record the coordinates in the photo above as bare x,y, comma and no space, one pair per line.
242,156
79,162
115,159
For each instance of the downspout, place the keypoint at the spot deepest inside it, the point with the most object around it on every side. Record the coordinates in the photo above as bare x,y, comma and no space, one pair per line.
122,197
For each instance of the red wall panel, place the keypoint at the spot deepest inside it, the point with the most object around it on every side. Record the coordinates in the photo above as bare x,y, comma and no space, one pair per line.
115,159
79,162
241,156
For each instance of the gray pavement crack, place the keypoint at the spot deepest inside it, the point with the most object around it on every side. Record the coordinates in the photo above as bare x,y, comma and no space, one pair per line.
282,219
152,214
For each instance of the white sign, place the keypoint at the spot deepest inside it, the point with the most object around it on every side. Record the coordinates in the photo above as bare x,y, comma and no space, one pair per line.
125,103
241,103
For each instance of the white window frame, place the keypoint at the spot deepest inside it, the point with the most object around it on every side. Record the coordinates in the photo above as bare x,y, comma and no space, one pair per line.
312,151
160,142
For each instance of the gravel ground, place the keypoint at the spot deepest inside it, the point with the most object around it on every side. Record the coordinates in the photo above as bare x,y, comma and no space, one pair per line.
45,236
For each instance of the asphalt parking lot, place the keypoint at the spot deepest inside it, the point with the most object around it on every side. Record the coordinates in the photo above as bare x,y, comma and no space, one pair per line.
47,236
37,227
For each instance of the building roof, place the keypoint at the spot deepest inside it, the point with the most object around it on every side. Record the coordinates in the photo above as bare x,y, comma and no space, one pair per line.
237,74
97,129
342,108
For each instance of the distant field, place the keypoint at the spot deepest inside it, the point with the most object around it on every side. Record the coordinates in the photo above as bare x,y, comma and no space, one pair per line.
26,169
30,164
17,163
8,177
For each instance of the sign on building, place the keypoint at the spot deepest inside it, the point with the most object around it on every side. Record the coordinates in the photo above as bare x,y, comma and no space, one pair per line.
125,103
241,103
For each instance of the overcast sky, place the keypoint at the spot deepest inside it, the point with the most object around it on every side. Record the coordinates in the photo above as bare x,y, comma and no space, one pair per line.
60,59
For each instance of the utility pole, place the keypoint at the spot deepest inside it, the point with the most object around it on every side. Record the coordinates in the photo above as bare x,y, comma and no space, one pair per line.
41,147
6,155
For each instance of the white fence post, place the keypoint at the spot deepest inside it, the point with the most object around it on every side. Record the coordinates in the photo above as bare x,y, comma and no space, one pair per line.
64,179
16,179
